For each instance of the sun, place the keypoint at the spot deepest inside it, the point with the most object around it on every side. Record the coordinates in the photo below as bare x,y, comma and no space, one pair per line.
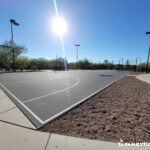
59,26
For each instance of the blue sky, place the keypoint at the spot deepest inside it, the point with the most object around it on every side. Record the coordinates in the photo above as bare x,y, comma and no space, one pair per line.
105,29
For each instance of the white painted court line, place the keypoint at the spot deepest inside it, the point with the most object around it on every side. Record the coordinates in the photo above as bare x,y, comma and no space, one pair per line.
60,91
29,110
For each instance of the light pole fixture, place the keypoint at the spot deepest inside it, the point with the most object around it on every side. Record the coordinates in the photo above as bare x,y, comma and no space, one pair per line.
13,22
77,45
147,55
147,32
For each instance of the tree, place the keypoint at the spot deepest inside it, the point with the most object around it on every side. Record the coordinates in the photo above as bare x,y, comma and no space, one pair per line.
142,67
59,64
22,63
6,54
72,65
5,57
84,64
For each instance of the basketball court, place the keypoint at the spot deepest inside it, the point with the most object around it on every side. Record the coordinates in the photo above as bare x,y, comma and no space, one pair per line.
45,95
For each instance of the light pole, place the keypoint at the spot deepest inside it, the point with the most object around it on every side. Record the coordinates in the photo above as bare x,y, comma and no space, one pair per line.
137,62
147,56
13,22
119,65
122,63
147,60
122,60
77,45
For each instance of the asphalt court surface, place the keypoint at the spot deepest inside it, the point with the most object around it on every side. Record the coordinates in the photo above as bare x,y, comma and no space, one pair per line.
43,96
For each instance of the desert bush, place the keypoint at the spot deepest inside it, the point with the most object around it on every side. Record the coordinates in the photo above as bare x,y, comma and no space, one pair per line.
7,68
84,64
142,67
21,68
34,68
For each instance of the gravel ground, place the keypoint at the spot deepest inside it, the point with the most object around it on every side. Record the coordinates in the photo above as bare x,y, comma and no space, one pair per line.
121,111
136,73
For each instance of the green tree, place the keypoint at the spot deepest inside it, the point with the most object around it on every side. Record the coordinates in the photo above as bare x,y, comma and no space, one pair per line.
84,64
6,55
72,65
59,64
22,63
142,67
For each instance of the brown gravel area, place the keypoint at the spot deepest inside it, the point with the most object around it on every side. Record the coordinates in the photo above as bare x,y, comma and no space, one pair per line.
121,111
136,73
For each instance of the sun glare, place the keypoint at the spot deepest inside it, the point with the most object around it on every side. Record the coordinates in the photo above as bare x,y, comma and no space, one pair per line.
59,26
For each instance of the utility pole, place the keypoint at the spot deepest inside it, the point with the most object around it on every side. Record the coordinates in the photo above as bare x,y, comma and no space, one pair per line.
136,64
147,60
77,45
12,21
119,64
122,63
147,56
122,60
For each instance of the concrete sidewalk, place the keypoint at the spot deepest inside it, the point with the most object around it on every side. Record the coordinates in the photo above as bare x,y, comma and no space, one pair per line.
10,113
18,138
144,77
16,117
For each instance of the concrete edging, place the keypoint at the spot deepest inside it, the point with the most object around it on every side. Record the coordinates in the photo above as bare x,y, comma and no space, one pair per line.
144,78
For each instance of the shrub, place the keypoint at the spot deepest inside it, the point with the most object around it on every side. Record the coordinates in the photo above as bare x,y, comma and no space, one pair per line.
7,68
142,67
21,68
34,68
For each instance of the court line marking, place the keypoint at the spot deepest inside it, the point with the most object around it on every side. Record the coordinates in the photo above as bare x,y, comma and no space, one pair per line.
28,109
59,91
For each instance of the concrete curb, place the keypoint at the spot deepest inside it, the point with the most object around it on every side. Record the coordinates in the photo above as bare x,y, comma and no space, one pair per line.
144,77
